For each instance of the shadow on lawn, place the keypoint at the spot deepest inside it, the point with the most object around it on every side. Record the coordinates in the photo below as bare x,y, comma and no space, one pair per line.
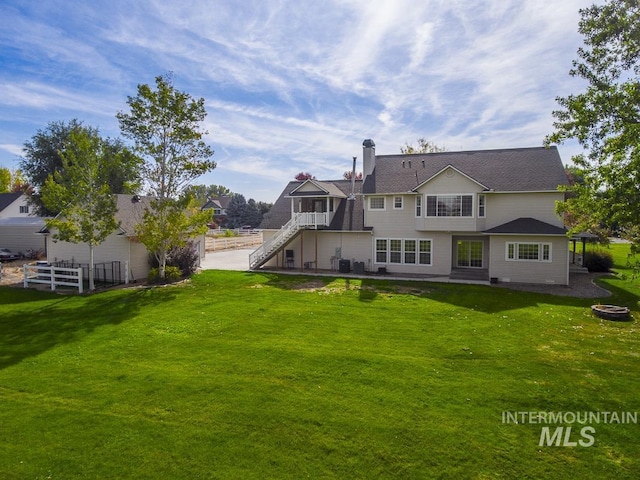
482,298
55,320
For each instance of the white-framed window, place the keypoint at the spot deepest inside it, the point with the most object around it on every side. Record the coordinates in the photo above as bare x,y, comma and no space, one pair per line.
528,252
449,205
24,208
482,205
419,206
381,250
424,257
376,203
409,251
406,251
395,250
397,203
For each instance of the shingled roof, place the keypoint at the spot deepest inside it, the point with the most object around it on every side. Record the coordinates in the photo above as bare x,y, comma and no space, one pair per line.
535,169
349,214
526,226
7,199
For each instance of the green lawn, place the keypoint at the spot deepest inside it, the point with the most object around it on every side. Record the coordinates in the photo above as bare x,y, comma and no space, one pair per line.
238,375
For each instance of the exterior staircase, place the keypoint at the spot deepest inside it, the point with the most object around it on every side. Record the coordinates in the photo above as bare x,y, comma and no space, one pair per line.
298,222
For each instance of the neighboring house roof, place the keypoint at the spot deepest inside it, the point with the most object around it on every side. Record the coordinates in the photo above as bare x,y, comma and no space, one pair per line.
526,226
348,214
217,202
7,199
509,170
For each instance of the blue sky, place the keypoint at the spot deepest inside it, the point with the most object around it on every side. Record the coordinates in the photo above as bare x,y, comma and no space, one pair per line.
295,85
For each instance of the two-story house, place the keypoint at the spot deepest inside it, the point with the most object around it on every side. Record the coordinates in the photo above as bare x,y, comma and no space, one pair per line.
218,207
468,215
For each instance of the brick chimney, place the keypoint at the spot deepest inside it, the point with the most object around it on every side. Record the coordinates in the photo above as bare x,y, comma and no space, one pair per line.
368,157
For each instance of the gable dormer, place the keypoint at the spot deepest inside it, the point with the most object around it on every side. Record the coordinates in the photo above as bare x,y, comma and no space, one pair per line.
450,180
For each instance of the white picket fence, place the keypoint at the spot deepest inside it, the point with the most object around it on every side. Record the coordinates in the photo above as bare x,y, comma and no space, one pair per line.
54,276
225,243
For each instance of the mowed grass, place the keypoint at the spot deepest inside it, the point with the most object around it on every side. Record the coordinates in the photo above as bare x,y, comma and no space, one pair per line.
239,375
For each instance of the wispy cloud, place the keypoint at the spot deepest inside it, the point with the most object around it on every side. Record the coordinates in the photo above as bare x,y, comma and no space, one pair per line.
293,86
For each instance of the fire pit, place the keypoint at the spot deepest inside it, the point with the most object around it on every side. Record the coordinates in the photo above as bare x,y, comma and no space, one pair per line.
611,312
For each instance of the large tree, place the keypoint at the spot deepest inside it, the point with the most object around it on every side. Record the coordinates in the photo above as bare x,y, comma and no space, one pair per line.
43,158
165,126
80,192
605,120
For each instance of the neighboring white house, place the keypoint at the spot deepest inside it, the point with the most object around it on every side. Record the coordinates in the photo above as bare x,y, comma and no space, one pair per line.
121,246
467,215
14,205
18,230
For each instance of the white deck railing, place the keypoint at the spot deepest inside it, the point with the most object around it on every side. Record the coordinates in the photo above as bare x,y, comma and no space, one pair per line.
298,221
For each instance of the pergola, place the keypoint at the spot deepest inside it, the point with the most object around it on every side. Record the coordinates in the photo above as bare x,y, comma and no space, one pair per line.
584,237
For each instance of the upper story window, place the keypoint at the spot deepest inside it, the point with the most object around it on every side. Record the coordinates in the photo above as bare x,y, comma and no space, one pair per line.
449,205
482,205
376,203
529,252
397,203
24,209
419,206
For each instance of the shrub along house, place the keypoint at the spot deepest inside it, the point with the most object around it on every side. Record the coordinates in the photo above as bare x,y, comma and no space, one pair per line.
479,215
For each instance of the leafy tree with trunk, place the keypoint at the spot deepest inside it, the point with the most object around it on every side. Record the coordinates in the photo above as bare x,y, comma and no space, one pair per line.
80,192
44,152
605,120
165,126
424,146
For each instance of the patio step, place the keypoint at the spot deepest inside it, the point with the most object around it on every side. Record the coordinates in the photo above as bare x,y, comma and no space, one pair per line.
480,274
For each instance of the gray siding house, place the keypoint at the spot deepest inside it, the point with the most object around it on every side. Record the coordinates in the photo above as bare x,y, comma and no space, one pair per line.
478,215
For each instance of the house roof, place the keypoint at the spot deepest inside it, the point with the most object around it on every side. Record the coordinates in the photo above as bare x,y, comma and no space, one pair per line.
35,222
348,215
526,226
509,170
7,199
328,189
219,202
130,210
